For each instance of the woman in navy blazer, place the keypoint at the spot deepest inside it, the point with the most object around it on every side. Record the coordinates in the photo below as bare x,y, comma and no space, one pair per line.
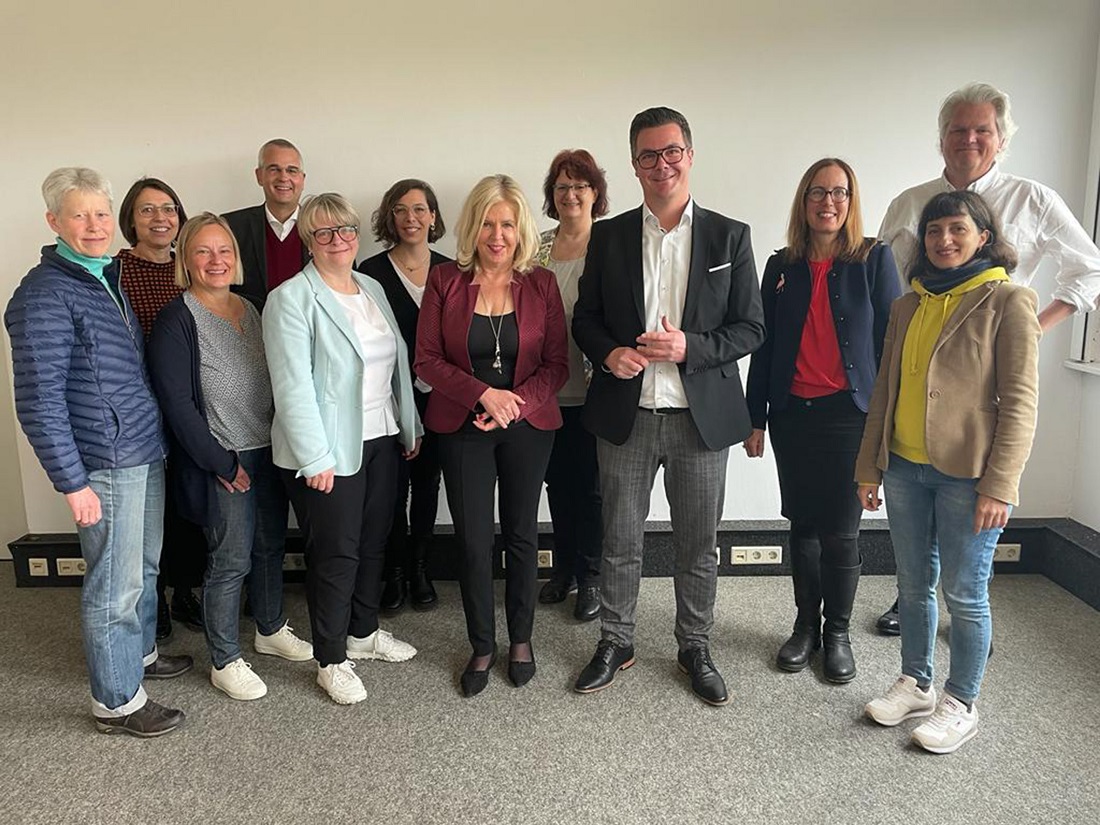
491,342
344,416
406,221
827,299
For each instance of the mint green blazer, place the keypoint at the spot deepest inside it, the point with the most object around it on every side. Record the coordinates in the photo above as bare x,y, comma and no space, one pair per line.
316,367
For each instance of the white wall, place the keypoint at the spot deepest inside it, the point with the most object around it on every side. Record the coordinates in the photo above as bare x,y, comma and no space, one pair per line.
451,92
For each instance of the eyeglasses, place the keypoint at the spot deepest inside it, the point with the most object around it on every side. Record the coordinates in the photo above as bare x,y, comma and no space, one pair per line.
419,210
671,154
838,193
566,188
147,210
325,234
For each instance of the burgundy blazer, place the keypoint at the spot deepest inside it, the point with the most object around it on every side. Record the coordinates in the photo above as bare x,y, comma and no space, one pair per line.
443,356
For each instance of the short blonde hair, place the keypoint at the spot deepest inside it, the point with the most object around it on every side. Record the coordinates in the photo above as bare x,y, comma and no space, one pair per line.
326,209
488,192
187,234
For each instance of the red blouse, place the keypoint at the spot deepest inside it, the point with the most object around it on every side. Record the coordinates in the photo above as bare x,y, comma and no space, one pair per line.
149,286
818,368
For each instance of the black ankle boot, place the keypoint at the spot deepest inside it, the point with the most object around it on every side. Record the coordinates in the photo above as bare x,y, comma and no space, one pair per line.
164,617
838,587
393,591
795,653
421,592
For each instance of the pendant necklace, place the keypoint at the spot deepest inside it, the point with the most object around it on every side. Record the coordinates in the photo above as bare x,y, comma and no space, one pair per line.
496,328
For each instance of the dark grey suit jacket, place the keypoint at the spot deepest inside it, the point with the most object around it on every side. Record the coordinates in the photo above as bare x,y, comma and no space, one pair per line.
249,225
723,321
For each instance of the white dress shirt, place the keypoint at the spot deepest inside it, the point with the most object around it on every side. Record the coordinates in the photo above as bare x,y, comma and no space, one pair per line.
1036,222
666,261
281,228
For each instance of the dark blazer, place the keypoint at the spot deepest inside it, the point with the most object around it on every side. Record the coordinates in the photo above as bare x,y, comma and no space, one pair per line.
860,294
404,307
722,321
443,356
249,225
195,457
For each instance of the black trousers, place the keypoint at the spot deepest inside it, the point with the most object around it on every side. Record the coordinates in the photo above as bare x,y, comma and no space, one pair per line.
183,551
473,464
412,527
573,491
345,541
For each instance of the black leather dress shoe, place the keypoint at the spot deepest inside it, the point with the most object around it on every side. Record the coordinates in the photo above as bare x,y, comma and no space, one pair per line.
164,618
186,609
147,721
521,672
474,681
168,667
555,590
587,607
706,681
600,672
887,623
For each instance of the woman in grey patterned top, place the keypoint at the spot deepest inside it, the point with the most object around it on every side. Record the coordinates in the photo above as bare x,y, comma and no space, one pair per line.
575,193
211,379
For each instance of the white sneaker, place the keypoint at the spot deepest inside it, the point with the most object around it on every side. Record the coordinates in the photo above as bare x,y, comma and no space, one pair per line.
284,643
238,681
904,700
341,683
380,645
950,727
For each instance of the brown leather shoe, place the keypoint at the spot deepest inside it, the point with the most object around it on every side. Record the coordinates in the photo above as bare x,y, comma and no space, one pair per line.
147,721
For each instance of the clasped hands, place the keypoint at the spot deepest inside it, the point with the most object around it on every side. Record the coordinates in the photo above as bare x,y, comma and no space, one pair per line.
668,345
501,408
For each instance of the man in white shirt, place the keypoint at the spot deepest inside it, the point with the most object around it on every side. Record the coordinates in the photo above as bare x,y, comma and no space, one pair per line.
271,250
669,301
975,129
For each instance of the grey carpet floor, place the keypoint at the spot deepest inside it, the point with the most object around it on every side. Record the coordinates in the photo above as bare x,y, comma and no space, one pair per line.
789,748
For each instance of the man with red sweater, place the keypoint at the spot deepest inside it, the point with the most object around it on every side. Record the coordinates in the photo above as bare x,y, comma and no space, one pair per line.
271,249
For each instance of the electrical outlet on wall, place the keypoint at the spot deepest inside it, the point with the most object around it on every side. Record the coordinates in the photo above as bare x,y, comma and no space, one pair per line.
546,558
762,554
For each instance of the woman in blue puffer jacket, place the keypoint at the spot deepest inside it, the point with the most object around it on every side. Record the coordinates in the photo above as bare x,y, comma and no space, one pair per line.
84,402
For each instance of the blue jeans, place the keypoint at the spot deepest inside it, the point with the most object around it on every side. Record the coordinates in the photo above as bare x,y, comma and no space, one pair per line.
118,605
932,530
247,534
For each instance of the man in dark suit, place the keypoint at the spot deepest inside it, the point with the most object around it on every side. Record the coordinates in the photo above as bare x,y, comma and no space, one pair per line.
271,250
669,301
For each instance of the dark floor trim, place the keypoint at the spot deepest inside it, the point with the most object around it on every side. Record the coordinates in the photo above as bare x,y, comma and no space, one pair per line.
1066,552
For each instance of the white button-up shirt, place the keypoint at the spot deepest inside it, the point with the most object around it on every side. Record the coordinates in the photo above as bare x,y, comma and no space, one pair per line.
666,260
281,228
1036,222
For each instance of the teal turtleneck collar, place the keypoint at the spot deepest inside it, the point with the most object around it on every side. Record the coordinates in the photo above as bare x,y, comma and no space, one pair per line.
93,265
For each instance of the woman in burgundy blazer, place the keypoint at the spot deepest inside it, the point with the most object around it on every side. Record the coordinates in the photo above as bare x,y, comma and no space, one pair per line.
491,342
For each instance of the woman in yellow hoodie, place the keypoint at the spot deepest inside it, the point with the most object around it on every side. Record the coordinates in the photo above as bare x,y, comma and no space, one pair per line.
948,432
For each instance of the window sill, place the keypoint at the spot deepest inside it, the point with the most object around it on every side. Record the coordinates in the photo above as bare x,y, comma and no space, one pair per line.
1088,367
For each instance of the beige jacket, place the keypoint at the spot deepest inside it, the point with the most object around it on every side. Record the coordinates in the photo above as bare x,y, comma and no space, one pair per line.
983,389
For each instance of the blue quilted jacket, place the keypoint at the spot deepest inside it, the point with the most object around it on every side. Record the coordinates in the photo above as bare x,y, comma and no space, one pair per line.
81,392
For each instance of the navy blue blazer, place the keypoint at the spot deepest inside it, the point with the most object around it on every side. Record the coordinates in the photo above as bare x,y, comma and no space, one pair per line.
860,294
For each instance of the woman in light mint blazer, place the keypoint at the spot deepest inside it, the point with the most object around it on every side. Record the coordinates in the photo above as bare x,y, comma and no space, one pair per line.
344,420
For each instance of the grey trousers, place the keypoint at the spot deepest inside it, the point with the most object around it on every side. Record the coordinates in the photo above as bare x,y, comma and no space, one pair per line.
695,483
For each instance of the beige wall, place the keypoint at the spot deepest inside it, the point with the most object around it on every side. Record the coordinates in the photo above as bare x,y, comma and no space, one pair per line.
452,91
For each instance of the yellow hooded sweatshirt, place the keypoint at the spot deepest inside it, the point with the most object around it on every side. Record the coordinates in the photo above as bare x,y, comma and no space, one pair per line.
920,340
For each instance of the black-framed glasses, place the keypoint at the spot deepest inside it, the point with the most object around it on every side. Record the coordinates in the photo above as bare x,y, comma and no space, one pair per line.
671,154
147,210
418,209
566,188
838,193
325,234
